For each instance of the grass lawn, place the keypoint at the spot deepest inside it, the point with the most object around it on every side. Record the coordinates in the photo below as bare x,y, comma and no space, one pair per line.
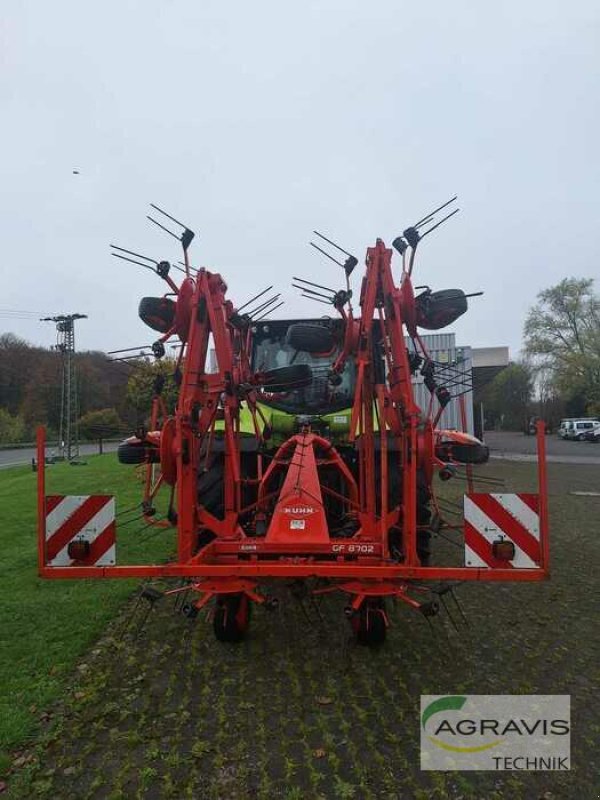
46,625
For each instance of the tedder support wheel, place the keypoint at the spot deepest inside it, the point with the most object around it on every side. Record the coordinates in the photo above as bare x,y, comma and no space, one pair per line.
232,617
369,623
136,453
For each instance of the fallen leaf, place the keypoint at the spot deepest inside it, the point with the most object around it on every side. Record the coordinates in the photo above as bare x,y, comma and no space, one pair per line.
319,753
3,786
69,771
324,701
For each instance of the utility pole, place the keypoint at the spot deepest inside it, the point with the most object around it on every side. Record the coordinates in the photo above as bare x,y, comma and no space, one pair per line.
68,435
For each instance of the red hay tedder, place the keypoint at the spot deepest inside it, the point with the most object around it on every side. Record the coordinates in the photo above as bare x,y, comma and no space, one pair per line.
298,454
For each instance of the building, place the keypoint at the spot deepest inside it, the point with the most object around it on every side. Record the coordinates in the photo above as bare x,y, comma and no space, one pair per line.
464,371
487,363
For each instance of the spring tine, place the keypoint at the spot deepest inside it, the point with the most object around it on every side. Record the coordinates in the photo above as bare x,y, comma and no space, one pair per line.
311,291
315,605
166,230
310,283
129,618
127,510
441,222
270,311
430,626
433,213
181,598
316,299
424,222
179,268
169,216
129,521
256,296
320,249
128,349
191,266
320,235
132,253
460,611
450,617
139,263
129,358
144,619
264,305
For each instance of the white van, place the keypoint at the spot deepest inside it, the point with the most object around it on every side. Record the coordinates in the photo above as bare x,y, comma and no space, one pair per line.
564,427
579,427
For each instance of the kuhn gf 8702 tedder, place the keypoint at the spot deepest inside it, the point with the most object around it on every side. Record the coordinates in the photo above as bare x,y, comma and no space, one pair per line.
297,453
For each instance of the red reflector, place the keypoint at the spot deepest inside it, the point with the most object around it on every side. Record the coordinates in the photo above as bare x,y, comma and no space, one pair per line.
78,549
503,550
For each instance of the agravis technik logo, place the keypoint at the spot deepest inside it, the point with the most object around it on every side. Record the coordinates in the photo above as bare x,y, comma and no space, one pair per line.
495,732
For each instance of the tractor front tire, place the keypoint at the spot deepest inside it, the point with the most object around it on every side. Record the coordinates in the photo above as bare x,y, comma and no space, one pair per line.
232,617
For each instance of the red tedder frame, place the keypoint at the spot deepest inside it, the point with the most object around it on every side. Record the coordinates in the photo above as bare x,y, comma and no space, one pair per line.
387,428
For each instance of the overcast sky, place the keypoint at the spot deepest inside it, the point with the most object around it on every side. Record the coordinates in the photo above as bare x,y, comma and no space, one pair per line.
255,122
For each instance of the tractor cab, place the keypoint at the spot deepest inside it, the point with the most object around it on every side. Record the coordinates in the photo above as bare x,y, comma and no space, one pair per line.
296,345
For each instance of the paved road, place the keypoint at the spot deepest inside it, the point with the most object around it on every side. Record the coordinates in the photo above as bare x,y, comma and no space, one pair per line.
518,447
15,458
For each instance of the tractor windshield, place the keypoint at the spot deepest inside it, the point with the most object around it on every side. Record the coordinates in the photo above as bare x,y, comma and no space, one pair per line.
270,351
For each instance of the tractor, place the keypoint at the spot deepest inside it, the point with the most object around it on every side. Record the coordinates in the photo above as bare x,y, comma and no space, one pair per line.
297,453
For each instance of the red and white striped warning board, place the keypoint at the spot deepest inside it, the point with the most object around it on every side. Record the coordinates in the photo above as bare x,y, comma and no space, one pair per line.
80,518
492,518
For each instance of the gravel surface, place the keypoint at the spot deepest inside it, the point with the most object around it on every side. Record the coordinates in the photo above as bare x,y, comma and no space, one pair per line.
299,711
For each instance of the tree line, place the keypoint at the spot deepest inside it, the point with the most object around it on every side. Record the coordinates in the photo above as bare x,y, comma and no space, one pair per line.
113,397
559,373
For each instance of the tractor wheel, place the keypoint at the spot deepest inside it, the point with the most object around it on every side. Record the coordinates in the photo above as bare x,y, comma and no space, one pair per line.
232,617
369,624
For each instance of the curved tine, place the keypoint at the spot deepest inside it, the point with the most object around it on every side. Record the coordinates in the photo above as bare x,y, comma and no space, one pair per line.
138,263
128,349
166,230
316,299
132,253
310,283
269,311
320,249
320,235
169,216
256,296
439,208
311,291
441,222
